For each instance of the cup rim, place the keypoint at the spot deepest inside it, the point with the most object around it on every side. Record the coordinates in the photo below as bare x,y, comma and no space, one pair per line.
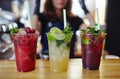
26,34
59,34
92,34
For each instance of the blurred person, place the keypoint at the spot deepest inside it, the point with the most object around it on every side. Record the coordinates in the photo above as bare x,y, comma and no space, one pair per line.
52,16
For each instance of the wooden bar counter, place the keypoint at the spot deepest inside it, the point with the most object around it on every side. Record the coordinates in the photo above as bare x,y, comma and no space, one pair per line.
109,69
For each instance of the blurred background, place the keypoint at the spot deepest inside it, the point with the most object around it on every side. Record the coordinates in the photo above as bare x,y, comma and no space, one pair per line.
18,13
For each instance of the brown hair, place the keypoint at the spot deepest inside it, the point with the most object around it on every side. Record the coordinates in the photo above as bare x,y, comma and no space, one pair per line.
49,10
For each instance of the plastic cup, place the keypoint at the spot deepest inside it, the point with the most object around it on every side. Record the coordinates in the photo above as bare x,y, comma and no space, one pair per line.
92,45
25,51
59,52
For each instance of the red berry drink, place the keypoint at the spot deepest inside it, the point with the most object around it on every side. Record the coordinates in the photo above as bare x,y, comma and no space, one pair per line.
91,50
25,50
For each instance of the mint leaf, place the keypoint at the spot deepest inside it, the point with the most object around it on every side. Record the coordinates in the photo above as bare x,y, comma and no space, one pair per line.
67,30
83,30
100,31
14,30
92,30
59,42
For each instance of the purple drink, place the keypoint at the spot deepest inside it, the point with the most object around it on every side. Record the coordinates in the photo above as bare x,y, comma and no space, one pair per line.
91,50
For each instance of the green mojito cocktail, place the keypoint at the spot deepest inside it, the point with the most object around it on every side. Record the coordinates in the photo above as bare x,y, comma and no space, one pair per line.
59,48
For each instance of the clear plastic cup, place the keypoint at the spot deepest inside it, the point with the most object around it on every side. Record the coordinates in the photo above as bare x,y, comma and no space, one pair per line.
25,51
59,52
92,45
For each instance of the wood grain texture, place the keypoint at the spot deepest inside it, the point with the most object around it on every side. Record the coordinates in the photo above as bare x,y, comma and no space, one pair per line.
109,69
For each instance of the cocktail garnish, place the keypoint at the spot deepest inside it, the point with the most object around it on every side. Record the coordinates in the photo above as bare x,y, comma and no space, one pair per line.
25,30
91,30
14,30
64,35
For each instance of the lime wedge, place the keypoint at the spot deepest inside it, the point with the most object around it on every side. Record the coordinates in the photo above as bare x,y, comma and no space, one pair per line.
55,30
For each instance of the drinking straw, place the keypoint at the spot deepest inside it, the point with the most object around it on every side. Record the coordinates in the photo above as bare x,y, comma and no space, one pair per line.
98,25
64,18
28,12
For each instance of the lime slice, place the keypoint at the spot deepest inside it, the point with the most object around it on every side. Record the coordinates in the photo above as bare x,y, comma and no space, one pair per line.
55,30
57,33
85,41
59,36
50,37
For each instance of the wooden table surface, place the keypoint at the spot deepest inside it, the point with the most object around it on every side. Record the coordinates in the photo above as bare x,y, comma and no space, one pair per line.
109,69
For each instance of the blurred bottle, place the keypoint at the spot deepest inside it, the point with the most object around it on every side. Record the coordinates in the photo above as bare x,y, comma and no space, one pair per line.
5,28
